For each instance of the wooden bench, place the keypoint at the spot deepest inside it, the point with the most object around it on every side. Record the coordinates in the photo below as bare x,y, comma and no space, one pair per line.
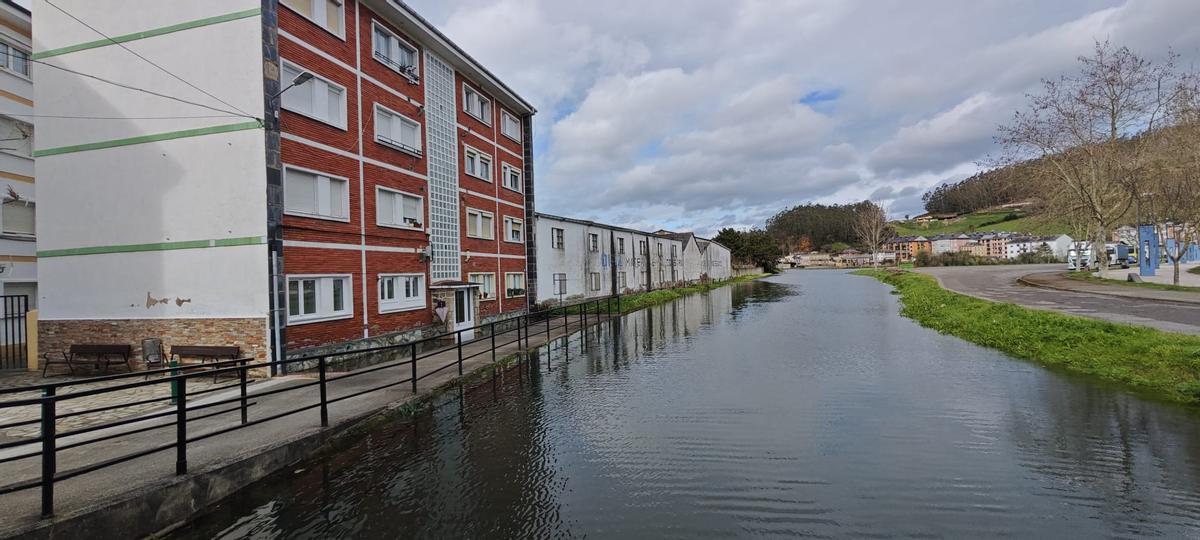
206,353
100,353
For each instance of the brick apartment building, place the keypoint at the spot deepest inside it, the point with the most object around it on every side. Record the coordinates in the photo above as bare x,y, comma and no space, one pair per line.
367,171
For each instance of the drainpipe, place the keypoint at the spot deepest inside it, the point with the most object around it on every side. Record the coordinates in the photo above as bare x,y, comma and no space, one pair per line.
612,259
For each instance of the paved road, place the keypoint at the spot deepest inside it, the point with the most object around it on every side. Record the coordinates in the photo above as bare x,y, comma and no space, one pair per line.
999,283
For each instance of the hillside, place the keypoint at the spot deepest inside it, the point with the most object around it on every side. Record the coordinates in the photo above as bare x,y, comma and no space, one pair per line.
985,221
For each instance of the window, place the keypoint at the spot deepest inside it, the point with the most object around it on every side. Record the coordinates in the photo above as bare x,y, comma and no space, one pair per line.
621,246
325,13
312,194
487,285
398,209
642,247
318,298
16,136
593,242
660,249
476,105
477,164
512,178
18,217
401,292
510,125
560,284
514,284
556,238
673,252
394,52
514,230
396,131
621,279
479,224
14,59
594,281
318,98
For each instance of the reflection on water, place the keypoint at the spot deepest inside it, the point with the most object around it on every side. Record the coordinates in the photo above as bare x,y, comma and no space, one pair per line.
801,406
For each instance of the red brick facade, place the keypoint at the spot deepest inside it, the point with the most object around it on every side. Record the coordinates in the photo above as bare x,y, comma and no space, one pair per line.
358,246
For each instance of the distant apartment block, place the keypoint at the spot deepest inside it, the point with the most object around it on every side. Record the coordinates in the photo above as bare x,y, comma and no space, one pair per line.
355,169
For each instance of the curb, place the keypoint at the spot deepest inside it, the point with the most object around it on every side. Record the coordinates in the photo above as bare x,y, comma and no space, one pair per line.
1029,283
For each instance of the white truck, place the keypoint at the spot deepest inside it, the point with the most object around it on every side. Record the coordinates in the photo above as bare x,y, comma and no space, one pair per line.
1118,255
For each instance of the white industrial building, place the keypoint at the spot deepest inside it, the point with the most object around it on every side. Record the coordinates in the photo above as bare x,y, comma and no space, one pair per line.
584,259
703,259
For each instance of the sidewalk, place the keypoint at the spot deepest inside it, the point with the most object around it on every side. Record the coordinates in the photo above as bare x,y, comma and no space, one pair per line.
98,494
1166,275
1059,281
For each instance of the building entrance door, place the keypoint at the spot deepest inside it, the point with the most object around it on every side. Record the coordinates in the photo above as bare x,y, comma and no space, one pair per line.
464,312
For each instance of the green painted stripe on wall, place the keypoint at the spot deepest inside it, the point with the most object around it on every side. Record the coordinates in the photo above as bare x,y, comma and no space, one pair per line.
253,124
207,21
157,246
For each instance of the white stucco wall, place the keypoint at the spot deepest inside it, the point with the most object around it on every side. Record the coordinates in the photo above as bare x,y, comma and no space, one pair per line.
576,260
205,188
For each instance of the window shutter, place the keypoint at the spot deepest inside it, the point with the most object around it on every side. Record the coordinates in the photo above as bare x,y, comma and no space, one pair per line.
18,217
412,209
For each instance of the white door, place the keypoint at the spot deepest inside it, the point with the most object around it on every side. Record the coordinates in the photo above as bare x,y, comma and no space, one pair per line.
464,312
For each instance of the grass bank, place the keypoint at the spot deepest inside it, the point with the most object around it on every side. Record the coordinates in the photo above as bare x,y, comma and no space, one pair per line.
1195,270
1160,364
642,300
1088,277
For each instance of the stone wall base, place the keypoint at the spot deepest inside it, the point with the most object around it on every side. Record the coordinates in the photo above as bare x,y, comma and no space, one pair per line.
250,334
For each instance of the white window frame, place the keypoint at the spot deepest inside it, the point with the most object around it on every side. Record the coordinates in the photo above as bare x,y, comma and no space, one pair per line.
594,242
340,125
6,60
345,195
341,33
558,238
479,155
417,151
504,117
622,282
508,223
321,315
379,220
483,100
507,288
491,230
594,281
399,303
560,283
7,203
482,297
620,246
507,170
412,73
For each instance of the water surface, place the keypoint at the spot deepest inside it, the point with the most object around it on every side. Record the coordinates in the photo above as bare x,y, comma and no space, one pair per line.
803,405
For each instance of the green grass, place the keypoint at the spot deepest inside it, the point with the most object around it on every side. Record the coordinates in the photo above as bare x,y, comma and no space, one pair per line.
983,222
1195,270
1088,277
1157,364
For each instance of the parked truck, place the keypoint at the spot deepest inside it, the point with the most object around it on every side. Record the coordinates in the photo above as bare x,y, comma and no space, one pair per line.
1118,255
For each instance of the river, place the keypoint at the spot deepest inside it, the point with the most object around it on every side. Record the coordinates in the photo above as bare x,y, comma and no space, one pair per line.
801,405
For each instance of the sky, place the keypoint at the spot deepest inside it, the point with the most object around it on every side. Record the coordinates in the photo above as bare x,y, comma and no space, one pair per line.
703,114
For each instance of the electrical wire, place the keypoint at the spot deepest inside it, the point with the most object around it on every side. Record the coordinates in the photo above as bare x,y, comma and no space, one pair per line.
147,60
5,113
137,89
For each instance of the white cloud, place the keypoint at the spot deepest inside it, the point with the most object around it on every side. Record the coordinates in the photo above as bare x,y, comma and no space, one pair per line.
694,116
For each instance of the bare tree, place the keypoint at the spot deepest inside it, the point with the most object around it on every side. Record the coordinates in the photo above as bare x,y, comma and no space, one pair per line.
871,228
1085,129
1174,183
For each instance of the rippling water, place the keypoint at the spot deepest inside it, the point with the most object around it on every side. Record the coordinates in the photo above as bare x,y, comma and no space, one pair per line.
799,406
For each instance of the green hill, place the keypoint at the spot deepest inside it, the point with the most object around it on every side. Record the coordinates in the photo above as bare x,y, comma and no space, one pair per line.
985,221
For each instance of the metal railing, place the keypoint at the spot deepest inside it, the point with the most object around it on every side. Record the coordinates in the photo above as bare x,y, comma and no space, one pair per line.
537,322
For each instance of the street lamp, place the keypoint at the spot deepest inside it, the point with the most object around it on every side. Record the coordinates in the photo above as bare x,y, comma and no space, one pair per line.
299,80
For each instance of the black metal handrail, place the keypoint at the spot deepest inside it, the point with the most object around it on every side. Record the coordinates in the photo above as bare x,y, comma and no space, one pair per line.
177,377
